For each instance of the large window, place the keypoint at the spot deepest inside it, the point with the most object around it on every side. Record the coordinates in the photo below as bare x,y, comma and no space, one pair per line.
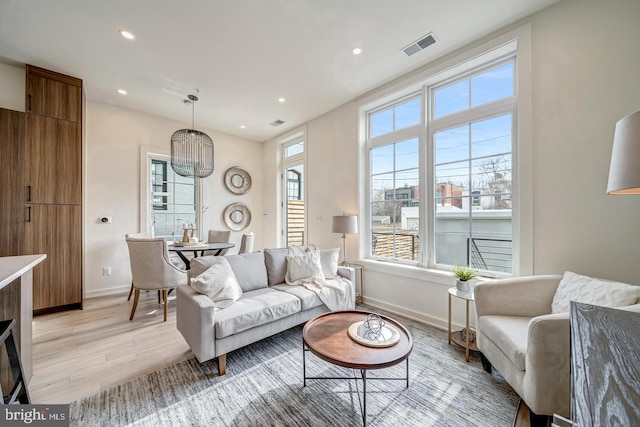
173,199
466,207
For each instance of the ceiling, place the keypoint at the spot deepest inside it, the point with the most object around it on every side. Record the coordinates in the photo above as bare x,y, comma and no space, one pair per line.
242,55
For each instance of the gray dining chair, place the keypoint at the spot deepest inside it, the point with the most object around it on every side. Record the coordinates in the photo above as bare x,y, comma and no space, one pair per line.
246,244
152,270
218,236
136,236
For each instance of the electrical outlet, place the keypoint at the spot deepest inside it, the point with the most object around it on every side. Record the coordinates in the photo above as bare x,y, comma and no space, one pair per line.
106,271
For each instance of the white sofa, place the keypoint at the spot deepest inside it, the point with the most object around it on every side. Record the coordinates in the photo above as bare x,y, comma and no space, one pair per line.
267,306
528,345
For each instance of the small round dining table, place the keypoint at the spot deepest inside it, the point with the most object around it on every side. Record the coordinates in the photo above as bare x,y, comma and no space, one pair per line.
216,247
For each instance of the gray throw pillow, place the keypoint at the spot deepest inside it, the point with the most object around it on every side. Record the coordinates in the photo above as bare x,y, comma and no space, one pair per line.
249,270
276,264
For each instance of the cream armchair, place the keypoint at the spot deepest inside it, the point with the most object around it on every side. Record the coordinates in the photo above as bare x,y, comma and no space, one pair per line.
529,346
151,269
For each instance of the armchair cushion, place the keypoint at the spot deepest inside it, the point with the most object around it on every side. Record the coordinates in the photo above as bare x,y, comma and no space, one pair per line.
509,334
575,287
218,283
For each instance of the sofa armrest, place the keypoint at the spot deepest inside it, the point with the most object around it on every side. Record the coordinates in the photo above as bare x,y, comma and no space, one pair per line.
547,382
195,320
349,273
528,296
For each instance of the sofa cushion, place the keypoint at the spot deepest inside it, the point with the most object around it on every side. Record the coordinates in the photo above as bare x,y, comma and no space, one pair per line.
218,283
249,270
309,299
201,264
305,266
276,264
329,262
509,333
588,290
255,308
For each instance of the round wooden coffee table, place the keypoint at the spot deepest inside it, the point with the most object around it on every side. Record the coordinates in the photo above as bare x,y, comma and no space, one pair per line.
327,337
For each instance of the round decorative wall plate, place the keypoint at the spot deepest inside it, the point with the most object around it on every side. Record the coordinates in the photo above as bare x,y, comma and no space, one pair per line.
237,180
236,216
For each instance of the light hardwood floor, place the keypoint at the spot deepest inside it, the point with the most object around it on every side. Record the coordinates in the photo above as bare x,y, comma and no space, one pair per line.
78,353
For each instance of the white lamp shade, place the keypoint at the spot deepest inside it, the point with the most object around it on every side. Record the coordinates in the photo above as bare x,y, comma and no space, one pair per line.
624,172
345,224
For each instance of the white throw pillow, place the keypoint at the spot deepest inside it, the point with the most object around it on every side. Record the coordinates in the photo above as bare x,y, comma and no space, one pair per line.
305,266
588,290
218,283
329,262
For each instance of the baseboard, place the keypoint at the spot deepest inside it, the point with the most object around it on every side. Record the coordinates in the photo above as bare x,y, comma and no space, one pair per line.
411,314
108,291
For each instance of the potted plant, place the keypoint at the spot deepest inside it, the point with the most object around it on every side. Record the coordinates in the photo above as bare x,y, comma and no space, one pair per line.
463,274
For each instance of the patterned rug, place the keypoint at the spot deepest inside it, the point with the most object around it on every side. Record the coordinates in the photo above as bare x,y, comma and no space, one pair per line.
263,387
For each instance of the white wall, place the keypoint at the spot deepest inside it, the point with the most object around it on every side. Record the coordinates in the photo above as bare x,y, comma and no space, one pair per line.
114,137
584,76
12,87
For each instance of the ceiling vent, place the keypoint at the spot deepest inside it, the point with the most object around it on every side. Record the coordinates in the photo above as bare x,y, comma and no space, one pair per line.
277,123
420,44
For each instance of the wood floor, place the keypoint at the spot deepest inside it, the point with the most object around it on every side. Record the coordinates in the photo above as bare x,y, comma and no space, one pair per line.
78,353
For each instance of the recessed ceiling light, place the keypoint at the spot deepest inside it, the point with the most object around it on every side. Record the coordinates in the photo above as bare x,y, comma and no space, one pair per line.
243,127
357,51
281,100
127,34
122,91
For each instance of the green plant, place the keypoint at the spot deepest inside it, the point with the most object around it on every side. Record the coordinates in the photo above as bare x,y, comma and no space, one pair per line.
464,273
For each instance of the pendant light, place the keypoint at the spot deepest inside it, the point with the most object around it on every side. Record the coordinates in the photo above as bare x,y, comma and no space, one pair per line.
192,150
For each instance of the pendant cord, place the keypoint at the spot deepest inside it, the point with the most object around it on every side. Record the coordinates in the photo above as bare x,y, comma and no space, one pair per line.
193,112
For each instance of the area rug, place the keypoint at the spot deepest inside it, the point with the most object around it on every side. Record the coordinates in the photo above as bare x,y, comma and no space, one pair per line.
263,387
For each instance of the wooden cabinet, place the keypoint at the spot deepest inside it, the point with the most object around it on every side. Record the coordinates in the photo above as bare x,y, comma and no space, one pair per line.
56,230
12,191
53,94
54,166
53,187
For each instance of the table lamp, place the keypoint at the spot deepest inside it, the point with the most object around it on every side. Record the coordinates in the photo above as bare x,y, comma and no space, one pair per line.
624,171
345,224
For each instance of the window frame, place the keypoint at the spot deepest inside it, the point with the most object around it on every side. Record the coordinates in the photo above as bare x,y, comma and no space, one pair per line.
146,197
426,129
300,159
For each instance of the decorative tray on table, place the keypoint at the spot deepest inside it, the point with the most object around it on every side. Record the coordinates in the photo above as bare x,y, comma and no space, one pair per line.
374,332
181,244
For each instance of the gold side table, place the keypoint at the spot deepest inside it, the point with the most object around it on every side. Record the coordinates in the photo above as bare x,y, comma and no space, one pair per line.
457,336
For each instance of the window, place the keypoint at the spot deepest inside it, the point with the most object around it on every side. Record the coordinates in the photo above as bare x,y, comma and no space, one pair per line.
173,199
467,135
293,205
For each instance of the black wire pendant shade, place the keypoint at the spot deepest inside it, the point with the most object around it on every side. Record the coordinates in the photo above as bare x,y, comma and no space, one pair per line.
192,150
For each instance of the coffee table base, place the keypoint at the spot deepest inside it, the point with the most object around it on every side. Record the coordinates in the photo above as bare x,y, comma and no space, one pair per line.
363,374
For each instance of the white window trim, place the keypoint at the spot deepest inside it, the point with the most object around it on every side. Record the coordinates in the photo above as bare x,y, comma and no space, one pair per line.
291,138
146,152
516,41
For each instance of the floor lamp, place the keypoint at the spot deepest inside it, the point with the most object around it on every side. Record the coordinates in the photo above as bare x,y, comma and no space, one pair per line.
624,172
345,224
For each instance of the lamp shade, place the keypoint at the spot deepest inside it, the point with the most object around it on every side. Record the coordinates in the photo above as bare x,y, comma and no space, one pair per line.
624,171
345,224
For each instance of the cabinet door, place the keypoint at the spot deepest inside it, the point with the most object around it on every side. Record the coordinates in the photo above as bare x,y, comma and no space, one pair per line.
53,98
12,192
53,161
55,230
